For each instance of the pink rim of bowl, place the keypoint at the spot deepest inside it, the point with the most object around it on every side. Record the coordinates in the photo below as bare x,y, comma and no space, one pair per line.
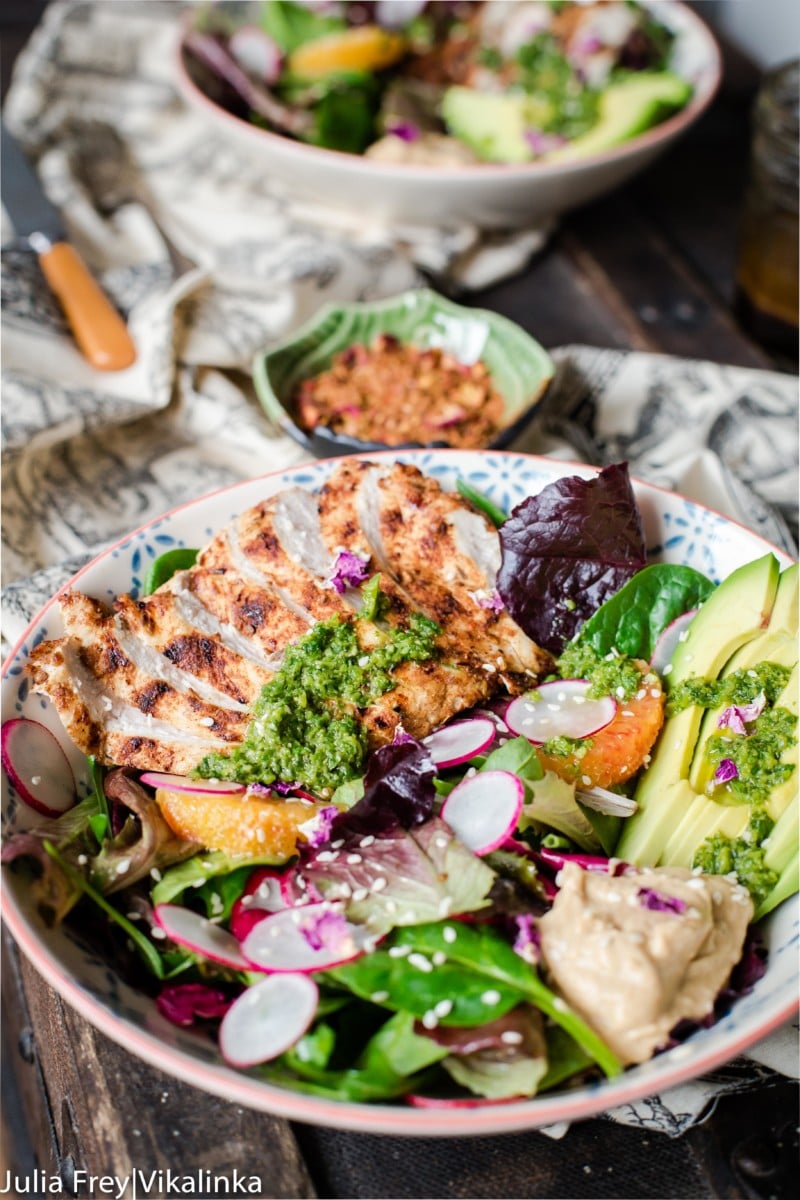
399,1120
704,94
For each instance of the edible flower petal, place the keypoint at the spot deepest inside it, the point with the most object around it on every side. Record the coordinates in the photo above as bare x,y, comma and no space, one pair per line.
737,716
317,831
407,131
348,570
658,902
527,941
489,599
726,771
327,930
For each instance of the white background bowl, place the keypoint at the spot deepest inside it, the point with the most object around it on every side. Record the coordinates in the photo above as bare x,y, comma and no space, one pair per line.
676,530
491,196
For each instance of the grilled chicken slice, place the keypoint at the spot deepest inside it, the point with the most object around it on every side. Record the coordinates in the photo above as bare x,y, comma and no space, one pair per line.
160,682
440,553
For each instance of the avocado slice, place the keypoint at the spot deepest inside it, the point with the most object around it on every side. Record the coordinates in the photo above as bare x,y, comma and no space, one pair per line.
628,107
782,841
777,644
493,124
788,883
733,615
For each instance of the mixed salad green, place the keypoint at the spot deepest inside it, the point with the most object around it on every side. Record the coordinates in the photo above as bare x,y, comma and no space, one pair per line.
447,83
397,952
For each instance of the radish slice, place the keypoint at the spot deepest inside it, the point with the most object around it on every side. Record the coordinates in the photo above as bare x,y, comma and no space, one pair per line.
267,1019
192,787
560,709
484,809
37,766
603,801
313,937
262,895
461,741
199,935
668,640
256,53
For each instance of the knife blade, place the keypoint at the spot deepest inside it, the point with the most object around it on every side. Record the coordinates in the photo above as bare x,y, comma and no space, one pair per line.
99,330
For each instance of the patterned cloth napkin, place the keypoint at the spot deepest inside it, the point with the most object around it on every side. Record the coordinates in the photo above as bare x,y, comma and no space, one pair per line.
87,457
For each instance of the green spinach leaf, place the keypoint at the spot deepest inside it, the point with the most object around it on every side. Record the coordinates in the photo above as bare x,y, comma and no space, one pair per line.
631,621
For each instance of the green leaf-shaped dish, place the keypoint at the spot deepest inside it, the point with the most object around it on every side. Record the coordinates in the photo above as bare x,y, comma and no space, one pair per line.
520,368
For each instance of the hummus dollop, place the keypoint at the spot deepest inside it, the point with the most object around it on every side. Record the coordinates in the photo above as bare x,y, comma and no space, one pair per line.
636,953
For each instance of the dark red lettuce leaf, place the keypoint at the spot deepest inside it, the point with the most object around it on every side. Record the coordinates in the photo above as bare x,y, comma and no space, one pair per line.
567,550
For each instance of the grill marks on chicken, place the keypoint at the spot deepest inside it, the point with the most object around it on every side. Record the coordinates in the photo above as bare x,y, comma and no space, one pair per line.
159,682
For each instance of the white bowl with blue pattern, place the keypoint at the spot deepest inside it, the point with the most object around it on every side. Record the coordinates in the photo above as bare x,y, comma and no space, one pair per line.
677,530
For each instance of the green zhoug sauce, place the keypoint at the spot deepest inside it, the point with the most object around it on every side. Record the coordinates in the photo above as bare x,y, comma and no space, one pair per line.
566,747
740,687
756,755
565,104
614,675
305,727
720,855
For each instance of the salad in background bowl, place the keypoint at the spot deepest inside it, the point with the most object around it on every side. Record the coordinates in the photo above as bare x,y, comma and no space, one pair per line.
496,113
421,951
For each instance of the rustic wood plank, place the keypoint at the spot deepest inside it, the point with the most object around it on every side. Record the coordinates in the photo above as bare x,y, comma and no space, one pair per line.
112,1113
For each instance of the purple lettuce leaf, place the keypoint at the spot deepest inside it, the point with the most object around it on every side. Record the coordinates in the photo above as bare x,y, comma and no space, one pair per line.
400,877
398,793
505,1058
565,551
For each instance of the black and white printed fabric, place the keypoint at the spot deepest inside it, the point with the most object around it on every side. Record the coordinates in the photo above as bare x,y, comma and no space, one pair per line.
88,457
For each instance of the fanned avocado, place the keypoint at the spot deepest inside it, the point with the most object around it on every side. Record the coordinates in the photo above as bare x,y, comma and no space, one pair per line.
734,614
628,107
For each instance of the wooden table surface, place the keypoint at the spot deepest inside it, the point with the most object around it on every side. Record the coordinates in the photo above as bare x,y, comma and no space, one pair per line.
649,268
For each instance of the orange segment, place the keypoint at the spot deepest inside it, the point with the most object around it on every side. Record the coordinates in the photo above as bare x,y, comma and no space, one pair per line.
367,48
257,827
618,751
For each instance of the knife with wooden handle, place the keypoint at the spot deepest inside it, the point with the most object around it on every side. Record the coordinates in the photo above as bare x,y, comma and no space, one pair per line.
99,330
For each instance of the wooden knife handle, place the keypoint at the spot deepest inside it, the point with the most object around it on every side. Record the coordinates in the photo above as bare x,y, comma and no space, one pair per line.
99,330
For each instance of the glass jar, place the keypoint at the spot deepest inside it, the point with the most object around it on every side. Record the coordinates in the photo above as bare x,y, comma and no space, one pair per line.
767,273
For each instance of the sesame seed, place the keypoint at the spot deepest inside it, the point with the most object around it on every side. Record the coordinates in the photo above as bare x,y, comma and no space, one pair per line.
379,997
123,866
491,996
667,669
337,845
449,934
378,884
157,933
353,859
559,1005
626,712
399,951
82,860
134,916
511,1037
261,835
586,780
683,635
208,721
444,906
443,1008
439,958
430,1019
420,962
360,894
155,874
365,841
